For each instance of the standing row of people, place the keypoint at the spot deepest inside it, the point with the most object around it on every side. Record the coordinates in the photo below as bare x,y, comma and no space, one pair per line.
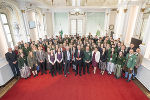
76,52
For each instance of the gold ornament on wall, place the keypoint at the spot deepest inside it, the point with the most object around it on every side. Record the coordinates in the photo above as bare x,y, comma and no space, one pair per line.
142,9
117,11
43,14
23,11
125,10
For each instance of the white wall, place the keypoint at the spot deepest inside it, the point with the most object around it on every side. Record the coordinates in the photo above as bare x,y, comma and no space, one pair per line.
49,24
61,22
95,21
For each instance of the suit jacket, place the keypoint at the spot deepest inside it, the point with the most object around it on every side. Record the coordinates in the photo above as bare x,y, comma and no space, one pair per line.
114,56
31,61
139,60
81,55
65,56
11,57
134,49
103,57
40,56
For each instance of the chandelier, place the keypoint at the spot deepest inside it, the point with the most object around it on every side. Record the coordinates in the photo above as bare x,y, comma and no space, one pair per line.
76,12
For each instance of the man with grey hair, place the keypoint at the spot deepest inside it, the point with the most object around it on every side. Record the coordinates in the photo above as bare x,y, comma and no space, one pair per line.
11,57
79,57
66,60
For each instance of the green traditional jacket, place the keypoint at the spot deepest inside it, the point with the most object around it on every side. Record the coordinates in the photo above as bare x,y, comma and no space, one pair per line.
87,56
121,61
21,62
109,42
69,40
26,51
116,50
131,61
114,56
109,51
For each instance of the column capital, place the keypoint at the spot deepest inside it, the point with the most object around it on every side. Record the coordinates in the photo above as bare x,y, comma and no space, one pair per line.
23,11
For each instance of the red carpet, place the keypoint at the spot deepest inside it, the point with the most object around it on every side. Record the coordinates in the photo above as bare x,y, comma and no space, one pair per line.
87,87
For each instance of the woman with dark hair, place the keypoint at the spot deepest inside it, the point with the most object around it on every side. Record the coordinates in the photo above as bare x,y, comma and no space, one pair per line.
119,65
95,59
51,59
103,60
111,61
59,59
24,69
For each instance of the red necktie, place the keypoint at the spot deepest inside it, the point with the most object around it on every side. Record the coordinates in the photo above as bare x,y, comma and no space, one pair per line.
72,55
78,54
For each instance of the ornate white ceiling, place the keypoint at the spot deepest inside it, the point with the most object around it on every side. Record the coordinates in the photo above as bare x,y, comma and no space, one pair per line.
49,3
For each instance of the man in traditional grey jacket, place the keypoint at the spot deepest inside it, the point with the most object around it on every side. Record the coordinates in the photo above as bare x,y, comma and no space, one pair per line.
138,62
41,58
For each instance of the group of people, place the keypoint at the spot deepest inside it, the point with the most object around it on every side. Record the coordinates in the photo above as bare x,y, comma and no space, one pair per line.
60,54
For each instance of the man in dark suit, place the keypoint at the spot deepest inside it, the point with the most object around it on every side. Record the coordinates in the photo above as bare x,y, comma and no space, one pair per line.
66,60
123,47
79,57
131,47
11,57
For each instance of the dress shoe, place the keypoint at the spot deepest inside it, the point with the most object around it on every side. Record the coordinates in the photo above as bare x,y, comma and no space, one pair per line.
133,78
128,80
75,74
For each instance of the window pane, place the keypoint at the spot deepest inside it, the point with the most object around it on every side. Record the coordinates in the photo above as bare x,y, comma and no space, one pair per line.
73,27
79,28
4,19
9,38
6,28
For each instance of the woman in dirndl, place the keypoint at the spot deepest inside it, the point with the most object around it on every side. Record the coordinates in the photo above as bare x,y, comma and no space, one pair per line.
24,69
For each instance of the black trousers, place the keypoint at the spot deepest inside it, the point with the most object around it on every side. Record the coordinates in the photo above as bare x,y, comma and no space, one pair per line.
42,66
53,69
78,64
66,67
45,62
60,67
15,69
84,67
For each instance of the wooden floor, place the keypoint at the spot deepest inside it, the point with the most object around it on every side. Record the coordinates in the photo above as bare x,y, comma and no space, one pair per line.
10,84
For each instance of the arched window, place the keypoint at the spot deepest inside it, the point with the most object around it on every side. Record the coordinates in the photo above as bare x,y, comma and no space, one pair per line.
6,28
